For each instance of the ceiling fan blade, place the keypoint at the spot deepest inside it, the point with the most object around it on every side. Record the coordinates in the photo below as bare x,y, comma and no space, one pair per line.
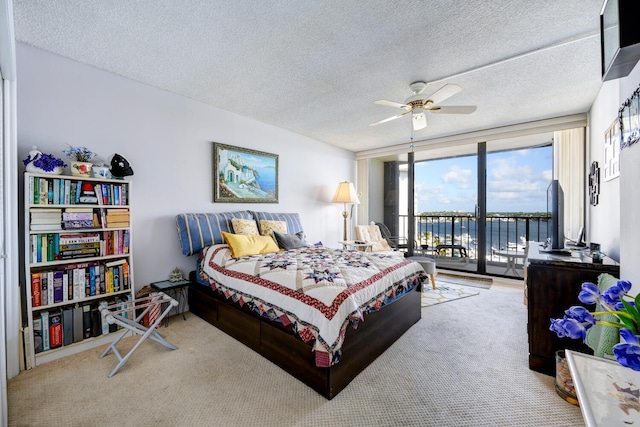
419,121
391,104
453,109
443,93
388,119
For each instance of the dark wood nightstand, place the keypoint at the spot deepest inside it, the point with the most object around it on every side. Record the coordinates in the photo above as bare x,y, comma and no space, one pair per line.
178,290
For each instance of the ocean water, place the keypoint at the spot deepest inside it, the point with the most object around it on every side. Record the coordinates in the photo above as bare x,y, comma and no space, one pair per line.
501,233
267,178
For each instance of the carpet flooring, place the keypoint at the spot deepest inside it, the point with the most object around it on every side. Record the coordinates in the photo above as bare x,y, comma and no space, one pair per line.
445,292
462,364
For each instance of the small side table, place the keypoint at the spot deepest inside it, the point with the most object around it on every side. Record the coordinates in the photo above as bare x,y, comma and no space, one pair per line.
179,291
365,247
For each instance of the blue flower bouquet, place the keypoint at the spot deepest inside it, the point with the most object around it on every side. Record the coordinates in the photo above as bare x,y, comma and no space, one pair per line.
612,303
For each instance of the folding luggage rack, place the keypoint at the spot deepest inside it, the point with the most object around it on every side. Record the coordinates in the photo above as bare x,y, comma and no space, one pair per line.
156,304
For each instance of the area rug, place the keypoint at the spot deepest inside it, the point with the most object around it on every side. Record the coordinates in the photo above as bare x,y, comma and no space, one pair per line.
476,282
445,292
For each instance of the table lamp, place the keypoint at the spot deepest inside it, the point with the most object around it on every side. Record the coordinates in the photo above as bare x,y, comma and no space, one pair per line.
345,194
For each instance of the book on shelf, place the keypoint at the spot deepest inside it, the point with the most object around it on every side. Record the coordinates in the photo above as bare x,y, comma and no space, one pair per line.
86,320
39,216
37,334
79,210
36,298
96,321
67,325
78,328
79,223
58,286
67,238
44,288
44,319
46,227
55,329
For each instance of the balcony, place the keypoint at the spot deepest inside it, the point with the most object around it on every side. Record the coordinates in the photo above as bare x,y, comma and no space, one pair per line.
505,233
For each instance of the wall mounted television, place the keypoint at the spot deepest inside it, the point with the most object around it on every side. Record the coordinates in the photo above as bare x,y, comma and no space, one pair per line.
555,208
619,38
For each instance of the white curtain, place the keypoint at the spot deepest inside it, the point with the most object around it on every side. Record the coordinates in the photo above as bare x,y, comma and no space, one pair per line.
569,170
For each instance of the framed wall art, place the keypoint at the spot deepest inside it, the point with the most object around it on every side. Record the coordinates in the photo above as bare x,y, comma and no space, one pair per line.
629,118
612,138
594,184
242,175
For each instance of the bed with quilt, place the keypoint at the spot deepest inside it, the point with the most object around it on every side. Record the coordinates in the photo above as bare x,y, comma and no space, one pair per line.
321,314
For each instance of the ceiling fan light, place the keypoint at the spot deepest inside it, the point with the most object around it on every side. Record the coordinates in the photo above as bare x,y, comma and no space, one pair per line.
419,120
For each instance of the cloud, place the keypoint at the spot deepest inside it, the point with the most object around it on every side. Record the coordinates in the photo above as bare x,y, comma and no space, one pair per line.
461,177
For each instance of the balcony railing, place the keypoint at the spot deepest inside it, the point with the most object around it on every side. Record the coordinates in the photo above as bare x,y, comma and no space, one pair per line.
504,231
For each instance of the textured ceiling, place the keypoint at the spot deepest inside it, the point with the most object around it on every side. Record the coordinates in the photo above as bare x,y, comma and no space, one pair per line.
315,67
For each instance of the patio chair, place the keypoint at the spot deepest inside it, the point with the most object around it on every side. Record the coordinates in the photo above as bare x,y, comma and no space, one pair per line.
396,243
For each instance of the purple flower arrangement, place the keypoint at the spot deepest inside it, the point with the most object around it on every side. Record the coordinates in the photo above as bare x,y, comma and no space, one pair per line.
79,154
578,320
43,161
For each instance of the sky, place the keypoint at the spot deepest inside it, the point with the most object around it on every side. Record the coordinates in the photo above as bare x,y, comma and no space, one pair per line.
517,181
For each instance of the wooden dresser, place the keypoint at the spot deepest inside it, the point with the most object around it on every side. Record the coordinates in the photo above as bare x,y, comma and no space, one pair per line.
552,284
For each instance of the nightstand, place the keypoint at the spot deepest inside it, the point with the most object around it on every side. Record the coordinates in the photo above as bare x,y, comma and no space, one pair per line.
361,246
178,290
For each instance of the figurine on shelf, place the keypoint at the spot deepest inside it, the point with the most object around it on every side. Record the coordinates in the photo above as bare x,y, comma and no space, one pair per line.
38,162
120,167
175,276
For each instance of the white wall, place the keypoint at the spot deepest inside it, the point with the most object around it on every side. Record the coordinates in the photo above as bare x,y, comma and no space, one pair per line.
604,219
168,141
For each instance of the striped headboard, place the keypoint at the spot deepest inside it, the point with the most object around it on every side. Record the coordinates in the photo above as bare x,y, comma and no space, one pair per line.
294,224
197,231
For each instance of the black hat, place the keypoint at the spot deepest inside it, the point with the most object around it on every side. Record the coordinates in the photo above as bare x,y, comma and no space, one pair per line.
120,166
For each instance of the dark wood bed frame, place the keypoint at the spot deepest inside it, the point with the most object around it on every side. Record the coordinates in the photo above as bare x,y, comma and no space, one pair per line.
277,343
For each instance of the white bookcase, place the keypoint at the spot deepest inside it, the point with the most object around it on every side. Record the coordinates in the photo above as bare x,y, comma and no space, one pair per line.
77,256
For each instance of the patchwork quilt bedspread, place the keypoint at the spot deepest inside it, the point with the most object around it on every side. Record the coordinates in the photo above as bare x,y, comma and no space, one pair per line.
317,290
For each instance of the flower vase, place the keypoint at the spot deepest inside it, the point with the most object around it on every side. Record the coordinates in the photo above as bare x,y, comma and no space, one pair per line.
81,168
34,169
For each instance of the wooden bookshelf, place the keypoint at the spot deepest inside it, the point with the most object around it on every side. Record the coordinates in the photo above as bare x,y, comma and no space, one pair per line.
77,256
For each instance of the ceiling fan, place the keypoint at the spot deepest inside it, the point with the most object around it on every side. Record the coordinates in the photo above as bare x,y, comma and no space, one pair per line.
418,104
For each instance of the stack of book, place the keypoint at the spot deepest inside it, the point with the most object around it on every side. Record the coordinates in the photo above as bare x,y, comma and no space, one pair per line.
117,218
79,245
46,219
78,218
88,194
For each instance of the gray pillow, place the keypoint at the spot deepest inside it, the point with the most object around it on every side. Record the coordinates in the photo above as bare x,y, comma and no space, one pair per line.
290,241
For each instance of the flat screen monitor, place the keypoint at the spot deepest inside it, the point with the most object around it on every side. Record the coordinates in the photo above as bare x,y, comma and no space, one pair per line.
555,207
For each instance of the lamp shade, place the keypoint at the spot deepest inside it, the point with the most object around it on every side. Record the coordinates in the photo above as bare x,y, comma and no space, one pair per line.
346,193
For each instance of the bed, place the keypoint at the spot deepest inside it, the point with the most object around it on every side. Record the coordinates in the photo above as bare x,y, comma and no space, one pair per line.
321,314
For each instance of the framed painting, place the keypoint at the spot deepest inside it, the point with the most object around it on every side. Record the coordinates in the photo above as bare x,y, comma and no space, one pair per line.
629,117
242,175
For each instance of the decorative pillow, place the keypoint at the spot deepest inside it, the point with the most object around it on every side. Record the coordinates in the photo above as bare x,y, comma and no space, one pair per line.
245,226
244,245
196,231
267,227
290,241
294,224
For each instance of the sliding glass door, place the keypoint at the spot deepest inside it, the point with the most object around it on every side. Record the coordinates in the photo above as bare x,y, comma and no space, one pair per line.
475,211
446,199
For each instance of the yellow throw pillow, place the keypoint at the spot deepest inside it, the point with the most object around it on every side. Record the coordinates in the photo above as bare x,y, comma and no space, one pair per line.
267,227
244,245
245,226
